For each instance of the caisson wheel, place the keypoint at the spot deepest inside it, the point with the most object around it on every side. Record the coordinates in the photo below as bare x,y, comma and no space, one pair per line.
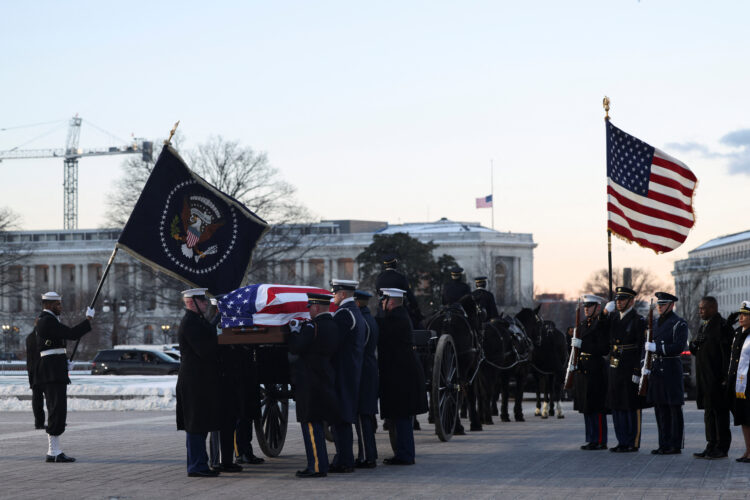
270,428
445,391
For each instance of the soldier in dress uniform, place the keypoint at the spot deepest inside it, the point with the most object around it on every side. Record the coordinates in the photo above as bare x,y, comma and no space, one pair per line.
311,346
391,277
347,363
739,371
52,371
456,288
711,349
626,336
367,451
484,297
198,405
590,378
666,389
402,394
37,396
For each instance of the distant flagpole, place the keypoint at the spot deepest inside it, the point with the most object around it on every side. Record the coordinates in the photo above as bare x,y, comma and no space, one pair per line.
492,191
605,103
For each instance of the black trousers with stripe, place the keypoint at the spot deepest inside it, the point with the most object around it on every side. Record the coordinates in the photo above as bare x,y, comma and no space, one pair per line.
314,436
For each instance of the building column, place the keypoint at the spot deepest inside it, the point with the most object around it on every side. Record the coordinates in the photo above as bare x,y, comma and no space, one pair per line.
305,272
58,278
85,279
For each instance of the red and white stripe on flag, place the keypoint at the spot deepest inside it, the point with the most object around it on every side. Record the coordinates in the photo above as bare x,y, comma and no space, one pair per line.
278,304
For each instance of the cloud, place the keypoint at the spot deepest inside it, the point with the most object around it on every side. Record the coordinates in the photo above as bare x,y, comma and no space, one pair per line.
690,147
738,160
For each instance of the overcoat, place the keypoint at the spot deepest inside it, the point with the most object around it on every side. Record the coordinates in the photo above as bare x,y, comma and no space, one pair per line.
32,358
626,338
51,334
312,372
402,383
454,290
665,383
347,362
368,387
590,379
198,389
486,300
740,407
711,349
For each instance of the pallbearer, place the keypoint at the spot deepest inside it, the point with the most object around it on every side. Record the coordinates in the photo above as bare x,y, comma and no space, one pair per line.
367,451
484,297
665,385
311,346
590,378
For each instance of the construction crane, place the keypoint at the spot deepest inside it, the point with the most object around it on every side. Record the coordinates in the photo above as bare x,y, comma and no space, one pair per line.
70,154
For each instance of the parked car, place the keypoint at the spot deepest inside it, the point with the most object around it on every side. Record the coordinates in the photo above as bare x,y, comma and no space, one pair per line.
133,362
8,356
167,349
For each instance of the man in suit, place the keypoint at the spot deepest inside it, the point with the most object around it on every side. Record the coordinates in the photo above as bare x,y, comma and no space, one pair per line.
367,452
52,371
37,396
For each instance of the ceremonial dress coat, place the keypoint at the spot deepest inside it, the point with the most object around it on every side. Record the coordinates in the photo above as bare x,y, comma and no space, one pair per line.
32,358
198,389
486,300
711,349
626,338
368,387
52,334
312,372
740,407
392,278
665,383
590,379
454,291
347,361
402,383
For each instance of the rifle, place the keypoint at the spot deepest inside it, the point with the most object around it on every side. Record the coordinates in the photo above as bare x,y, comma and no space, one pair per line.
574,352
648,357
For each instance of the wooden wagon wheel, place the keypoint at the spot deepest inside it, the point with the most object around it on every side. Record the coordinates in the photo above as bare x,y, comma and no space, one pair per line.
444,396
271,426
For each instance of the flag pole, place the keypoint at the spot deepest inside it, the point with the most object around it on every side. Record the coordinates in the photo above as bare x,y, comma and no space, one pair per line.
492,191
605,104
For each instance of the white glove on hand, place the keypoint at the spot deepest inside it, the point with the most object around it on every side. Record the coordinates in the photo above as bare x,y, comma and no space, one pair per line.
645,371
610,307
576,343
90,312
295,325
636,379
70,366
651,346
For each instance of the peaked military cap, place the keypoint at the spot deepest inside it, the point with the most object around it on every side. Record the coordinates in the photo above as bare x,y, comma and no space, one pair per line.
318,299
362,295
665,298
480,278
590,299
337,285
393,292
51,296
456,272
745,307
390,260
195,292
623,292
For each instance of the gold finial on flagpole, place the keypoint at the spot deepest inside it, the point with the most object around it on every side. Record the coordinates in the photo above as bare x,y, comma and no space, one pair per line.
171,134
605,103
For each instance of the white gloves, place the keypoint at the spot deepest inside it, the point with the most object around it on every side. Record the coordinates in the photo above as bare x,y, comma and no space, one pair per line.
90,312
636,379
651,346
610,307
645,371
295,325
576,343
70,366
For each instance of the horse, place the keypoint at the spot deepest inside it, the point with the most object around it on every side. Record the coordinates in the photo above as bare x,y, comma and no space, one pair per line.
507,351
463,322
548,360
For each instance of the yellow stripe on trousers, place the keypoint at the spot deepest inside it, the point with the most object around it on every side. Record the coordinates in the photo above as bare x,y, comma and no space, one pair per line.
638,430
314,448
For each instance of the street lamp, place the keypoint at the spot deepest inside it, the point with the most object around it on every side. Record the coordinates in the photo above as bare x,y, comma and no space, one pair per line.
121,308
165,331
6,333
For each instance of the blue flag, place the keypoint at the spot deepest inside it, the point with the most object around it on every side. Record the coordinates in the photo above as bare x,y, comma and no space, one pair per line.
188,229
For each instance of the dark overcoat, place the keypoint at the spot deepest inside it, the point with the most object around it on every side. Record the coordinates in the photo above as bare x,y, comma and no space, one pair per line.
392,278
486,300
32,358
239,389
368,386
711,349
52,334
590,379
665,383
312,372
402,383
347,362
740,407
454,290
198,396
626,338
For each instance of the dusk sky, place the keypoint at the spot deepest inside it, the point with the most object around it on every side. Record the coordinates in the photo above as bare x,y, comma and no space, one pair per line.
394,110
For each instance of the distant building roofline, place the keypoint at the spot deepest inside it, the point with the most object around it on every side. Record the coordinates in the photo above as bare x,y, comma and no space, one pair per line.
726,239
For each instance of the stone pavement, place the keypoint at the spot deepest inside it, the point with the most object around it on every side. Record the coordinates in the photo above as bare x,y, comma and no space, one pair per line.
140,455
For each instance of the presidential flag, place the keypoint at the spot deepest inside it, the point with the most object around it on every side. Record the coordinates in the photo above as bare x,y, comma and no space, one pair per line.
649,193
266,305
188,229
484,201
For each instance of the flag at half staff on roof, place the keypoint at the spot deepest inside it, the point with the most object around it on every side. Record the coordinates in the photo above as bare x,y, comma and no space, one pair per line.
187,228
649,193
484,202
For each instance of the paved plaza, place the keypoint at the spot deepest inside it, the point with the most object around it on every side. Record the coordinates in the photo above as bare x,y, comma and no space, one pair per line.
141,455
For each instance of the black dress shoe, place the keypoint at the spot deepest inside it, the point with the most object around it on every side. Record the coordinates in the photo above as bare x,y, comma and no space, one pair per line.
249,459
309,473
701,454
743,460
658,451
630,449
365,464
671,451
618,449
397,461
587,446
228,468
340,469
40,426
204,473
715,455
62,457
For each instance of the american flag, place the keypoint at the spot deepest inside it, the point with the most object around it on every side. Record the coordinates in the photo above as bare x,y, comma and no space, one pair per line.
265,305
484,201
649,193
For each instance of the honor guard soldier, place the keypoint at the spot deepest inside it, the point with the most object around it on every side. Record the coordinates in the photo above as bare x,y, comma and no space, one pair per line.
666,390
455,289
347,363
52,371
711,350
484,297
626,329
402,383
739,370
37,396
590,379
367,451
311,346
198,404
391,277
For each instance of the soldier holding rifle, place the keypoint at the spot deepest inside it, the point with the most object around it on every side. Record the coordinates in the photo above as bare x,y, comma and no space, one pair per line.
665,387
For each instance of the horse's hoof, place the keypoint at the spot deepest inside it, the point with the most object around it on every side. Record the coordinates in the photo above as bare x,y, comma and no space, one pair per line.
504,418
552,413
544,416
537,412
475,428
560,415
519,418
463,414
459,432
488,422
417,427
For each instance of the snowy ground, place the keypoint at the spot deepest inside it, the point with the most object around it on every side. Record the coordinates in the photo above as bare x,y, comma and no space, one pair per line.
96,392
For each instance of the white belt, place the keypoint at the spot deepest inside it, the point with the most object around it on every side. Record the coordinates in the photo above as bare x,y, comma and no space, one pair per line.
49,352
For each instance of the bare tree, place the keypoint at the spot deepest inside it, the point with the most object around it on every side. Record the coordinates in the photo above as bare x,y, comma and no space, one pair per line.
643,281
692,285
12,255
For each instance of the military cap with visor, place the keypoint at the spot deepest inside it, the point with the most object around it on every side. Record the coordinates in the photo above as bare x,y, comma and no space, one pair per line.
318,299
665,298
623,292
